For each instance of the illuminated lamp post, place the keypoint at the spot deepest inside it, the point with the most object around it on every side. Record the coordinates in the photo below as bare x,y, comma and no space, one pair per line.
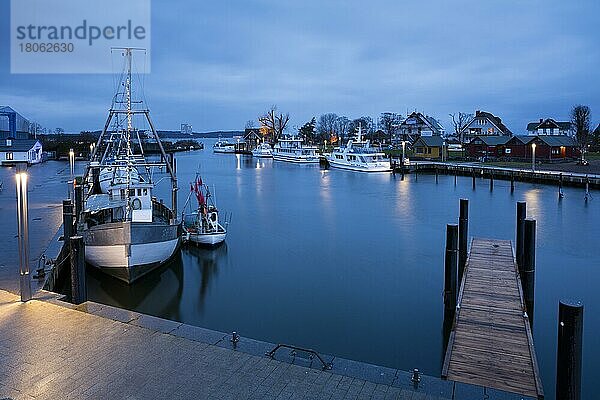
23,233
533,157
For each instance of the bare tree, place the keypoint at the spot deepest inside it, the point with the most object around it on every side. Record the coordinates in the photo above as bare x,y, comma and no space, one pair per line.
250,124
342,126
580,118
390,123
459,122
273,123
326,127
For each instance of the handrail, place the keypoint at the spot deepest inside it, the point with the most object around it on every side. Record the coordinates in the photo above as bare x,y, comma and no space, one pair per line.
271,354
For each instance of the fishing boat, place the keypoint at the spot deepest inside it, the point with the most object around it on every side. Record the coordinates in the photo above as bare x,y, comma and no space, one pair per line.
294,150
202,226
359,155
263,150
223,146
127,231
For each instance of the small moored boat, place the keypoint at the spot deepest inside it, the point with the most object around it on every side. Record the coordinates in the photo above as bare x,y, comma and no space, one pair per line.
263,150
202,226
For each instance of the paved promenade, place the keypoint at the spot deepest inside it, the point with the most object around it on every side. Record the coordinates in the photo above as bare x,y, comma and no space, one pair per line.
51,350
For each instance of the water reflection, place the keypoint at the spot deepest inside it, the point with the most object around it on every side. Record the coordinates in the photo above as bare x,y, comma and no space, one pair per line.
207,263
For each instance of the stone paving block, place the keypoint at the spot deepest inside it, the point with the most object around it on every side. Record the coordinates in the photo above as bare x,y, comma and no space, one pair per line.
156,324
198,334
114,313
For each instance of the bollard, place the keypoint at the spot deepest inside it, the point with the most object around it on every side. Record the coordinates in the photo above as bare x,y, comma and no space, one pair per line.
512,182
527,270
463,232
67,220
416,377
568,355
436,175
455,178
587,188
521,214
492,182
473,179
78,284
450,268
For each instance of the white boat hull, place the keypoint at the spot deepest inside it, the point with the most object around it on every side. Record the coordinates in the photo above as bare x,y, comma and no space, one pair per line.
383,167
224,151
207,239
298,160
133,260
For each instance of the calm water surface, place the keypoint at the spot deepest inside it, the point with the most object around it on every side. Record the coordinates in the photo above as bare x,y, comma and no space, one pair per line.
351,264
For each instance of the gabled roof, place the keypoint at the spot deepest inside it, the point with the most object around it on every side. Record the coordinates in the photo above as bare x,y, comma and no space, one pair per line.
562,125
496,121
18,145
430,141
558,140
523,139
431,122
491,140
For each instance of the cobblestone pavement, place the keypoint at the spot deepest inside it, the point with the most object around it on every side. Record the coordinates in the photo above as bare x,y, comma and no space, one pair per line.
50,350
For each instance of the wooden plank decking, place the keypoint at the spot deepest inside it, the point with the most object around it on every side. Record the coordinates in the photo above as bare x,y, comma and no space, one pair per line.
491,343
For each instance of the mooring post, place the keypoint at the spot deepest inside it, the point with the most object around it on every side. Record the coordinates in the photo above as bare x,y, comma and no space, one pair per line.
568,355
512,182
450,268
67,220
78,198
78,285
473,178
491,181
560,184
455,173
463,232
587,188
521,215
527,270
436,174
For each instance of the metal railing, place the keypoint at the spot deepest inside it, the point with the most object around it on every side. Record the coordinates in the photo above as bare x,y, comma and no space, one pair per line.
312,354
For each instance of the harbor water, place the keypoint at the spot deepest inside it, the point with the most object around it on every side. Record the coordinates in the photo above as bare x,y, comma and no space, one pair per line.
351,264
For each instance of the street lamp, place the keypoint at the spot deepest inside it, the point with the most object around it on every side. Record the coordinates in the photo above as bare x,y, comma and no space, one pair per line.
533,157
23,233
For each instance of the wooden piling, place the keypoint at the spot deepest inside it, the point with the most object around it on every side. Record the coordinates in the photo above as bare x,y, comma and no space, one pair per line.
67,220
77,256
527,270
521,215
512,182
463,235
491,181
450,268
78,199
473,179
568,355
436,175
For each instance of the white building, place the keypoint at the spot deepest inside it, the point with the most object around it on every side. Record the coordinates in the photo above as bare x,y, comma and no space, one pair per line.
20,150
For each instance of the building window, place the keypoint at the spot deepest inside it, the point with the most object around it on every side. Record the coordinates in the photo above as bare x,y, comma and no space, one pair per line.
419,150
490,131
9,155
556,151
507,151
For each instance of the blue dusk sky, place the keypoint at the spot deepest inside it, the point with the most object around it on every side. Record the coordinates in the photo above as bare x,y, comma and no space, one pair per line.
218,64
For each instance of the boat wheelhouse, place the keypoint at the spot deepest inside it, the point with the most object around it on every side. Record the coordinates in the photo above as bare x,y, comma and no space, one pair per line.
294,150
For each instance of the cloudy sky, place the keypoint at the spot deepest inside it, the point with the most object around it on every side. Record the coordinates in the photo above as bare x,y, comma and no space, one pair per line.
218,64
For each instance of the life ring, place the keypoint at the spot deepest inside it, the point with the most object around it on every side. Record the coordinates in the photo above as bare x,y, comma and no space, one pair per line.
136,204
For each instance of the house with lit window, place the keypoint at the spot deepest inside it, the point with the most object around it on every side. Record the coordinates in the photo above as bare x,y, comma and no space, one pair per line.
484,123
548,126
418,124
486,146
13,151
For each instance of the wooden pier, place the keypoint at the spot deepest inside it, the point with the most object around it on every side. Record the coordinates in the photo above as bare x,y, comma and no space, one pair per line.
491,342
512,174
